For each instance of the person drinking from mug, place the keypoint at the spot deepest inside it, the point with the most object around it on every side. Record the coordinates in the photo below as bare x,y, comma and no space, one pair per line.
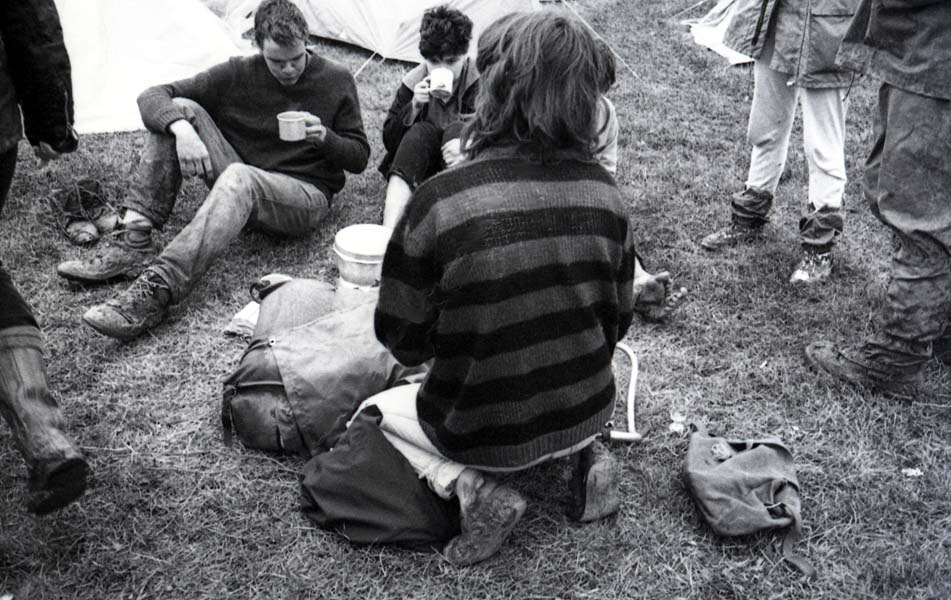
421,130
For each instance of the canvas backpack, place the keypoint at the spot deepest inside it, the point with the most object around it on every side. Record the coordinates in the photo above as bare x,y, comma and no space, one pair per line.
746,486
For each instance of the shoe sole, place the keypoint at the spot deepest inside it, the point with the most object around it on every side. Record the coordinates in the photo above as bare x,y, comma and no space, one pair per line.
602,497
488,551
66,484
124,276
108,332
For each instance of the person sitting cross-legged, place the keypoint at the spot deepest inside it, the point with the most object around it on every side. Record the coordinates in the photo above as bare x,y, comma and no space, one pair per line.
221,125
512,272
422,126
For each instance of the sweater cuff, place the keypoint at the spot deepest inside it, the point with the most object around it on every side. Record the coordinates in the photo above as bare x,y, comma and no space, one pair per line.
166,117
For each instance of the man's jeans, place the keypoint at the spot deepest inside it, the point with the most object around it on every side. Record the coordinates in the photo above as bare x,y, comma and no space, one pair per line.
908,186
823,127
240,195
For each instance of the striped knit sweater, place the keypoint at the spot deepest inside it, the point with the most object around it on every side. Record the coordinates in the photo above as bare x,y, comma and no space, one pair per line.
516,278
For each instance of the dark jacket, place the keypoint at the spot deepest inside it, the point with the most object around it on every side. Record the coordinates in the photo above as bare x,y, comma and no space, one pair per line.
807,34
34,73
398,122
906,43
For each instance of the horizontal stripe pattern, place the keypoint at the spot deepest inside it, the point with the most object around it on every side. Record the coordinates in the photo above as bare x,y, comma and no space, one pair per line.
516,278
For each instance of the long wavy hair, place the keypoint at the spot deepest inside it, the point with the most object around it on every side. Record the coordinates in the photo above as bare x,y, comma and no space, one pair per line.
540,82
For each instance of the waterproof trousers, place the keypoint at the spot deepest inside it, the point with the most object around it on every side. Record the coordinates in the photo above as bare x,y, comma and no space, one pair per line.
908,187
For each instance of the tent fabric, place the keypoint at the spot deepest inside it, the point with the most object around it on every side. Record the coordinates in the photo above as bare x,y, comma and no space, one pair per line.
708,31
120,47
389,28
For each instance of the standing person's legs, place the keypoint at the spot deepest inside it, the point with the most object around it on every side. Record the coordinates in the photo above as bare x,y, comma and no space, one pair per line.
823,125
150,201
909,184
13,308
770,123
57,468
242,195
418,157
771,118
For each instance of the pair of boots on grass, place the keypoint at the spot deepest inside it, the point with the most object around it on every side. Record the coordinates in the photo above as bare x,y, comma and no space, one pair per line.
490,510
58,471
125,255
749,210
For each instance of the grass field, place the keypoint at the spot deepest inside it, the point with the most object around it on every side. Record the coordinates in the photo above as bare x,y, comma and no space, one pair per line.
172,513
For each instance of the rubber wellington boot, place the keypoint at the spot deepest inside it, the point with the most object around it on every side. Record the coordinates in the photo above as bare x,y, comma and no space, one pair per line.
58,470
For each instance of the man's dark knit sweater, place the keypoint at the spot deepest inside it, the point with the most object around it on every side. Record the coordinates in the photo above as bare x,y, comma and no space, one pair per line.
516,277
244,99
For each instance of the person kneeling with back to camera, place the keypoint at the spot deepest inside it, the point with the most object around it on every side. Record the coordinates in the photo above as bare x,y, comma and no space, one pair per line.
513,272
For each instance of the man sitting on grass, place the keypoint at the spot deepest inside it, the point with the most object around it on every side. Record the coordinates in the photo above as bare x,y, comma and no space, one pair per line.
221,125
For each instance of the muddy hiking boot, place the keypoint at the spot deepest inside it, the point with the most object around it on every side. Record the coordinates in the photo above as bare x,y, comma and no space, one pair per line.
750,202
594,484
489,513
129,251
814,267
140,308
850,366
58,470
86,214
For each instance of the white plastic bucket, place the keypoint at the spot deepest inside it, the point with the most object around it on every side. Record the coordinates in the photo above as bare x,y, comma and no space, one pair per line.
359,250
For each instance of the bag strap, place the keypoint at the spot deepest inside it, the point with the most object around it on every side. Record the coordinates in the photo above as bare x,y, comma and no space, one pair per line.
789,540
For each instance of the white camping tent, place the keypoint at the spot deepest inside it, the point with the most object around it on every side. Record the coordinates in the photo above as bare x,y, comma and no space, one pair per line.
119,47
388,27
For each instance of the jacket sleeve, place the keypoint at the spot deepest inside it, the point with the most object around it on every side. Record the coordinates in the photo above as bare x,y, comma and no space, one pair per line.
395,125
40,69
346,144
406,312
156,106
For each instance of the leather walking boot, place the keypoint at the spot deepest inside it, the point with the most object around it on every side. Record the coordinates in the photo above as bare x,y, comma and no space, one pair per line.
58,470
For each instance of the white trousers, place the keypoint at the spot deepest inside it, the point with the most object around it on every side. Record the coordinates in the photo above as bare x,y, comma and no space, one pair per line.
823,126
400,426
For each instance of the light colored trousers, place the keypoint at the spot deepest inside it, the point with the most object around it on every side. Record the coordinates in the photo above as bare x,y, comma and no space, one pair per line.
240,195
400,426
823,130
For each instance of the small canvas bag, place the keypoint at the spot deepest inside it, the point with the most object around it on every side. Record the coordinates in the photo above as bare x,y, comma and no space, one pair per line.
746,486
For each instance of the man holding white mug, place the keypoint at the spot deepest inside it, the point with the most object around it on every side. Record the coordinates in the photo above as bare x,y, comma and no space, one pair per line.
222,125
421,131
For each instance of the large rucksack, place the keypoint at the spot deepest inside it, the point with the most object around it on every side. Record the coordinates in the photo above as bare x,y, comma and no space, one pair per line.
313,358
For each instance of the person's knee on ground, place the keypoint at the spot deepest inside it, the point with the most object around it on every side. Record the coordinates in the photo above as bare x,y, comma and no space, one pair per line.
58,470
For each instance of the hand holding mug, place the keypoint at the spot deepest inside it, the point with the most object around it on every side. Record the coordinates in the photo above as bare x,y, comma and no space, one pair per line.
315,132
421,93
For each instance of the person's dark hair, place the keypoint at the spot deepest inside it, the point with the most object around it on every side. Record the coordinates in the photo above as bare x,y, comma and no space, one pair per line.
607,66
280,21
541,92
444,32
492,42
